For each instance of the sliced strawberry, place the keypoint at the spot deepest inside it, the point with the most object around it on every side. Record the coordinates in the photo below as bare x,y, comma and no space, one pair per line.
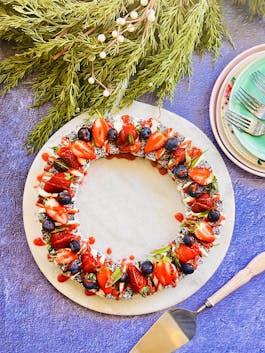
65,256
62,239
126,119
204,232
83,149
89,263
57,183
185,144
136,279
160,153
56,211
65,142
127,135
166,273
195,152
99,131
156,141
104,276
201,175
202,203
69,157
186,253
180,155
131,148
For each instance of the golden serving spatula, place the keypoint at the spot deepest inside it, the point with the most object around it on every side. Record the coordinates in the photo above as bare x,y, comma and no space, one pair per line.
176,327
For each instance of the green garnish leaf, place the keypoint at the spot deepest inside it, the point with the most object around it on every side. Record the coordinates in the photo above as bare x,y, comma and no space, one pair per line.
214,185
201,214
161,250
166,258
55,148
145,291
188,159
116,275
195,161
68,176
131,139
58,230
91,276
176,261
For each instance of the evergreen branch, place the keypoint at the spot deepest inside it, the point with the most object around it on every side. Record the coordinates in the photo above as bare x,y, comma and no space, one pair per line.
256,7
83,58
214,30
170,64
63,109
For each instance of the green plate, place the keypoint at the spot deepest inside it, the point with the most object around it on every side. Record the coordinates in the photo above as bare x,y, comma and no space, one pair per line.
254,144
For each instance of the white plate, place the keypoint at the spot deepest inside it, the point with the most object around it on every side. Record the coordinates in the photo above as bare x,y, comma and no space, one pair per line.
227,141
226,128
168,297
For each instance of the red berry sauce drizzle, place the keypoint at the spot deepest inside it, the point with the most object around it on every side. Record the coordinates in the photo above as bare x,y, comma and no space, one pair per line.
125,137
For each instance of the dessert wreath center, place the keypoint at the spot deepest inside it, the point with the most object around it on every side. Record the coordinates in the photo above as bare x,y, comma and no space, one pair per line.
75,254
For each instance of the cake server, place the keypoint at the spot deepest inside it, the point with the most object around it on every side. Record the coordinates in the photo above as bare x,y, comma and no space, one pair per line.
176,327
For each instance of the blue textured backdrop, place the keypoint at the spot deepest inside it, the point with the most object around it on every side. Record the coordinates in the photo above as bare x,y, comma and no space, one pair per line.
37,318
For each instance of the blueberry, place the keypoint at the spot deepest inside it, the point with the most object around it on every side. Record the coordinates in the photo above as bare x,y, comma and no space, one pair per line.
171,144
112,134
48,225
64,198
84,134
188,239
187,268
60,165
180,171
195,190
123,278
145,132
90,284
147,267
75,245
74,268
213,215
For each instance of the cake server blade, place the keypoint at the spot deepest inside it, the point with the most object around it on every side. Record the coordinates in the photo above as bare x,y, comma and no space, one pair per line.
176,327
171,331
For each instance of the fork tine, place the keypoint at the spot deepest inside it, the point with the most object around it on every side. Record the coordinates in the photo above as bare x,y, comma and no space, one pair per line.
244,100
261,77
251,99
244,119
259,80
236,123
237,120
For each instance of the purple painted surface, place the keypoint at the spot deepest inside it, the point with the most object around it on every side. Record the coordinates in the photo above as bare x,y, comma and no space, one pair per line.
37,318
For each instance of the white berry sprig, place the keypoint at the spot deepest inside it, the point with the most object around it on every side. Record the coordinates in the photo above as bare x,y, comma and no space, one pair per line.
143,14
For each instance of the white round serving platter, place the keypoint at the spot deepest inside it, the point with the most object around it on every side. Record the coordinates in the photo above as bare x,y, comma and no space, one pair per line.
236,153
169,296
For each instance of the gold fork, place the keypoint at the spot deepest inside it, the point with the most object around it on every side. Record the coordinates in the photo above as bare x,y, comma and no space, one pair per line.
244,123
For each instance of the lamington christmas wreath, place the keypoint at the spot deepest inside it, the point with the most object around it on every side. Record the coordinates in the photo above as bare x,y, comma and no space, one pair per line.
131,138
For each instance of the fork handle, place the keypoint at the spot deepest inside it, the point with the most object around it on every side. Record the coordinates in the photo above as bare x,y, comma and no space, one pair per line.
254,267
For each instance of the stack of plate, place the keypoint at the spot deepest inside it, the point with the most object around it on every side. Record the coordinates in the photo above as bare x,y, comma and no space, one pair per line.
246,151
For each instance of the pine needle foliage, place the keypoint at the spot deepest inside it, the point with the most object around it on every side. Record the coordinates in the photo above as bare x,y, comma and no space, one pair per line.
83,56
